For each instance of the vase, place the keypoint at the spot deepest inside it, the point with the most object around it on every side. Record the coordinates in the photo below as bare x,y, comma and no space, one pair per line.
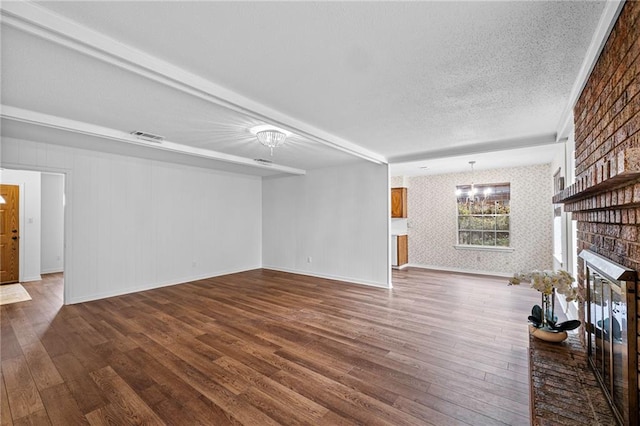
547,335
548,308
544,330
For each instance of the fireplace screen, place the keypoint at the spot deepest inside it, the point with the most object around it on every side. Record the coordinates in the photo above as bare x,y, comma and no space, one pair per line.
611,333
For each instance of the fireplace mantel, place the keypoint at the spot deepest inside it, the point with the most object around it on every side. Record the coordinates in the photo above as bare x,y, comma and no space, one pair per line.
603,176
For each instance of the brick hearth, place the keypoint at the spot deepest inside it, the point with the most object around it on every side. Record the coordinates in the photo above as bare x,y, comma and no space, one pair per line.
564,391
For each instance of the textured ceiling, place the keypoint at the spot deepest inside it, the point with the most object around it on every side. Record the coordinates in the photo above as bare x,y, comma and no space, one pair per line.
404,80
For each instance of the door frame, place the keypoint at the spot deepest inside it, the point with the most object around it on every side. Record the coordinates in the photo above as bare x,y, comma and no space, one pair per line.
66,265
20,229
21,211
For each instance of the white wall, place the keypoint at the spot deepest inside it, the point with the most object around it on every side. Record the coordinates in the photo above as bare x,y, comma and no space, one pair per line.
29,183
338,216
52,220
564,226
432,222
133,224
559,222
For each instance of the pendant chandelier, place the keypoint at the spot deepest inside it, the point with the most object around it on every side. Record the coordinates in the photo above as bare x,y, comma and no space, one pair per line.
473,196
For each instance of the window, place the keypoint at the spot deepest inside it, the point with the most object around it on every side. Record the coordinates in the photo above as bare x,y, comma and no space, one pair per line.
483,214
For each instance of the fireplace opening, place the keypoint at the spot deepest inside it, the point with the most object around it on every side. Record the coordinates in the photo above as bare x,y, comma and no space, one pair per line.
610,327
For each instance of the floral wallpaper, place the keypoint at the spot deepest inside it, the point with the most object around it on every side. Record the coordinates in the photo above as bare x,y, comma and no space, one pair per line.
396,182
432,222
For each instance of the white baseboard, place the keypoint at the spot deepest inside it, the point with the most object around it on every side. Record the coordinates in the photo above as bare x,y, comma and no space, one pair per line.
327,276
29,279
401,267
150,286
461,270
51,271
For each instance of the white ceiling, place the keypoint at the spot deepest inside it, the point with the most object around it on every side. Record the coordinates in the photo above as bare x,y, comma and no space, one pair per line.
384,81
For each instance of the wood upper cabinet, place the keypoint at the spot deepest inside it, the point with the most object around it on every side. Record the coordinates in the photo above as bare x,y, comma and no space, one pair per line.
398,202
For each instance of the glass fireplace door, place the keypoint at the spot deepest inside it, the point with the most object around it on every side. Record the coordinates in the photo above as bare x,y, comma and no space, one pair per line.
610,328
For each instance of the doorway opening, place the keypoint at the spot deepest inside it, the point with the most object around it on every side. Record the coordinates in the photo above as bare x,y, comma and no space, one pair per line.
35,233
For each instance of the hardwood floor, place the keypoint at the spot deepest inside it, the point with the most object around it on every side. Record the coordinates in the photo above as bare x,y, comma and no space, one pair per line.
264,347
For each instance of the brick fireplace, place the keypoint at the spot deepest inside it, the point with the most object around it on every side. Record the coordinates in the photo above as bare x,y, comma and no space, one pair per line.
605,200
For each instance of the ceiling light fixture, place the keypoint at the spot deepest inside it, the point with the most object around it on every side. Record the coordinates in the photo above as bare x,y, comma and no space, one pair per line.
473,189
270,136
471,195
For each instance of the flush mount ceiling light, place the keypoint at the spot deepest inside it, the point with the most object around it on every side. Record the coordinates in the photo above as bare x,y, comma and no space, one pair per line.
270,136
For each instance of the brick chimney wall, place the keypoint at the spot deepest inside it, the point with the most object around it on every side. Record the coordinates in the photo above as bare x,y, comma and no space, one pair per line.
605,200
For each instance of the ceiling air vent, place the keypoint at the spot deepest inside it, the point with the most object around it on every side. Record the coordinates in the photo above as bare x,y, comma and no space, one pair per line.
263,161
149,137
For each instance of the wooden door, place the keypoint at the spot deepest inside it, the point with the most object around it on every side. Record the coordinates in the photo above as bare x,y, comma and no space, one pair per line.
9,234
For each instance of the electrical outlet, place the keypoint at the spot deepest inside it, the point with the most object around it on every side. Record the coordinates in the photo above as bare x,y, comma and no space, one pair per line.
309,259
194,264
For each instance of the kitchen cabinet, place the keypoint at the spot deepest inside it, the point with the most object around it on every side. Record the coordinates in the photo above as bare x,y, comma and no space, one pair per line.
398,202
399,250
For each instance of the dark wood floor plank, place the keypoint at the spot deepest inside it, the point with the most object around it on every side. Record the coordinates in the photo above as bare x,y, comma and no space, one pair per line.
62,408
87,395
492,411
38,418
207,386
266,347
53,342
174,413
328,372
345,401
283,404
126,369
219,343
113,336
105,416
168,382
23,327
173,388
124,400
428,415
439,375
22,392
10,347
5,411
42,369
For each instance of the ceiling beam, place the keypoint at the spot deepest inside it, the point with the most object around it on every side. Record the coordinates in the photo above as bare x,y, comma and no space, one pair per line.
54,122
478,148
39,21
